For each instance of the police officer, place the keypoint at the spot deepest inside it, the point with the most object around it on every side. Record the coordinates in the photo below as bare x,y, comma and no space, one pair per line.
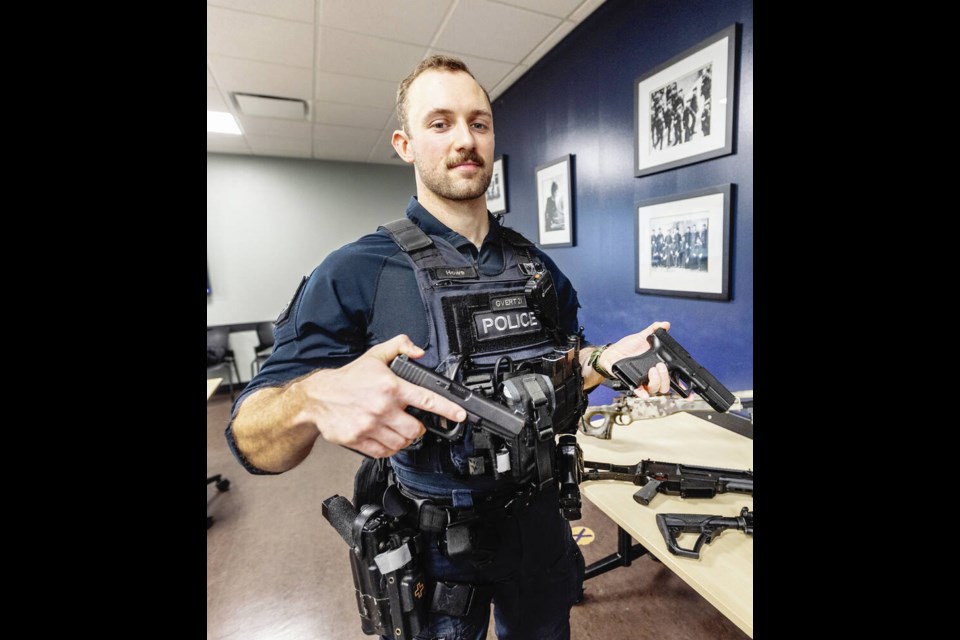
445,286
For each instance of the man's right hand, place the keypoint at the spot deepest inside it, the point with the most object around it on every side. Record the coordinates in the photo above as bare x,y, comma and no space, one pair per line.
362,405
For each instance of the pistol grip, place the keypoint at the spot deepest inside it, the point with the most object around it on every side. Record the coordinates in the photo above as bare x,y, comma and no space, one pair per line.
647,492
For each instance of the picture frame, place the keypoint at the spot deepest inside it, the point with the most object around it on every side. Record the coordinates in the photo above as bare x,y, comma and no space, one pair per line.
555,202
684,108
497,203
694,263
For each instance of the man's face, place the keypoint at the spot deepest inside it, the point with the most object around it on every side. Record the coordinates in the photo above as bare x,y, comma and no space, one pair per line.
450,134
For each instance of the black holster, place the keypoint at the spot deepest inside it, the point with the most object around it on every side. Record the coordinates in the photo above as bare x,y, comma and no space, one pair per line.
386,560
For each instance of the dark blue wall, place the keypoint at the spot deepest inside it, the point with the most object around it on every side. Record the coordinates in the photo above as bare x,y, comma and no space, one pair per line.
578,99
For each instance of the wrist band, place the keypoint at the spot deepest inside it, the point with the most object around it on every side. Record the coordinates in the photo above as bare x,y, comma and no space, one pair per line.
594,361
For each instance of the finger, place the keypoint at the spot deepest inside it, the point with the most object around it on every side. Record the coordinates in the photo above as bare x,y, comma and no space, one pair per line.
399,344
416,396
372,448
407,426
641,393
664,378
662,324
653,380
391,439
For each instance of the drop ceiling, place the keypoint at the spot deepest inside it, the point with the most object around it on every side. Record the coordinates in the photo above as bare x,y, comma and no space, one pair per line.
318,78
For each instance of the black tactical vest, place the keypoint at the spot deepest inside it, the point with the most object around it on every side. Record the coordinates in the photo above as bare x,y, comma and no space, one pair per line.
483,330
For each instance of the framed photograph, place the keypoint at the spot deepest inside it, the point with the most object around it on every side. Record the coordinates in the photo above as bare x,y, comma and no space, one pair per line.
555,203
497,191
684,107
683,244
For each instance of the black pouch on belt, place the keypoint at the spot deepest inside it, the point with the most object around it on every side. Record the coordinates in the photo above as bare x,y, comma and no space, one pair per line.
471,538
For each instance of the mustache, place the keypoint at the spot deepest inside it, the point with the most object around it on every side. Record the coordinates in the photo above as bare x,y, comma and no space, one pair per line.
469,156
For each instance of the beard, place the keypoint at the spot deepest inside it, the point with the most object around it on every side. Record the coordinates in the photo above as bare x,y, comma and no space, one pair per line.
439,181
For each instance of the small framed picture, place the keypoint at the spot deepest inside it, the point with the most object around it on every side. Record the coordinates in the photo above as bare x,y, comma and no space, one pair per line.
555,203
683,244
497,191
684,107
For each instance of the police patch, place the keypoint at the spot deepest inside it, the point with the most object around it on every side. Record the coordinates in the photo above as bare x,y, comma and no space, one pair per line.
498,324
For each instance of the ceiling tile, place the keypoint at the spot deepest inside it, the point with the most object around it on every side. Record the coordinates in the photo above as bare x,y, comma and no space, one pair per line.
559,8
588,7
328,134
487,72
350,115
226,143
345,58
412,21
517,31
301,10
253,125
277,146
215,101
254,37
518,71
342,151
366,92
366,56
261,78
549,42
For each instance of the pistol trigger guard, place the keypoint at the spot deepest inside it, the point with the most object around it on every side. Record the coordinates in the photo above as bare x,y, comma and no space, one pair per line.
684,391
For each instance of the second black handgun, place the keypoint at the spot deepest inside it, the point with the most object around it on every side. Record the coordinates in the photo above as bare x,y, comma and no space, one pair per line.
686,374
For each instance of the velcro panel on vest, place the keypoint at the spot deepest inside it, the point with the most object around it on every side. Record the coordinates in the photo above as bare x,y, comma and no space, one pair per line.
474,328
407,235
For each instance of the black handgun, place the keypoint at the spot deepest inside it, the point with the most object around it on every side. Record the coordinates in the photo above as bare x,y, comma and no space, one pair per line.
709,527
686,374
492,416
671,478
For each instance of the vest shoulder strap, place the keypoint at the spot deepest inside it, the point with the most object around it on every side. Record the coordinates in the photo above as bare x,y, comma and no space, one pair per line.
514,237
407,235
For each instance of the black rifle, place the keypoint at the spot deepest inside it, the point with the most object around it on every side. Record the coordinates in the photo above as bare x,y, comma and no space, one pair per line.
684,480
709,527
686,374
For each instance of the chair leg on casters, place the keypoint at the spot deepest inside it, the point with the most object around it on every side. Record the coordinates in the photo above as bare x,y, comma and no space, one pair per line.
222,485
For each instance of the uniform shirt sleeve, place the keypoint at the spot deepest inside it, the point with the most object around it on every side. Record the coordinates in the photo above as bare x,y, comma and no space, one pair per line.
325,324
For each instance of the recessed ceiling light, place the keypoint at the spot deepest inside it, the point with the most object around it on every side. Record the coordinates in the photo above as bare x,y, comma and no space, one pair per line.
222,122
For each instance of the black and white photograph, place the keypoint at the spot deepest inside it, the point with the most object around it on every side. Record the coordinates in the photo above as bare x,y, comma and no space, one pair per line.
685,107
555,203
683,244
497,191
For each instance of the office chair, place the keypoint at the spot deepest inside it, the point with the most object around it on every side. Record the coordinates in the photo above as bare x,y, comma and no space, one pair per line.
220,356
222,485
263,350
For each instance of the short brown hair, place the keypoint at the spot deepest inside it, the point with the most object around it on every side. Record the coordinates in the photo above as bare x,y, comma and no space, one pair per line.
436,62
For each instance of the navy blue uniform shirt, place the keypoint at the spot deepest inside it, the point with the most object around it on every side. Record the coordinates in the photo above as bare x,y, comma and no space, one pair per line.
366,293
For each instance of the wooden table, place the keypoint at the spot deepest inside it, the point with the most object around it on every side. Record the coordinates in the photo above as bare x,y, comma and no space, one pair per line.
724,572
212,385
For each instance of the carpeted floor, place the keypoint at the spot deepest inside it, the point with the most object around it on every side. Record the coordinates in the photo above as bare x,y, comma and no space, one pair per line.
276,570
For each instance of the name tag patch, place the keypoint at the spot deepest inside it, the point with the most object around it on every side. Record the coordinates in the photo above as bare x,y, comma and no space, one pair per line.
508,302
499,324
451,273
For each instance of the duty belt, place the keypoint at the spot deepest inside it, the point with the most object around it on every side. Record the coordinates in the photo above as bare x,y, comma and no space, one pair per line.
436,514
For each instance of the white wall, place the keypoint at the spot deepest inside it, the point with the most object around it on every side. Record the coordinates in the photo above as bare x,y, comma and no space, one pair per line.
270,221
